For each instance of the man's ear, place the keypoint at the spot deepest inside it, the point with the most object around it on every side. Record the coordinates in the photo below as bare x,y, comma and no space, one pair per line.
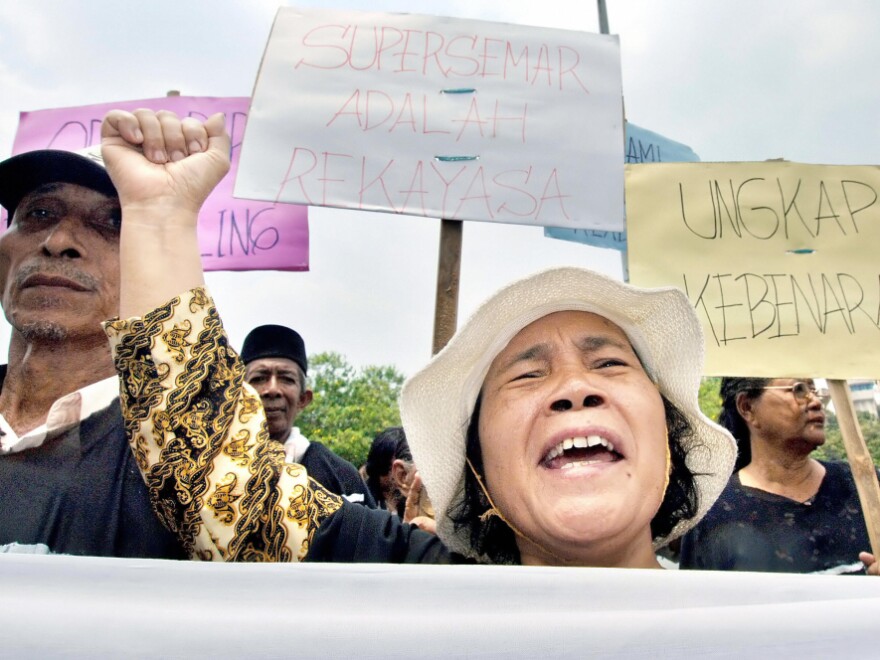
745,406
305,399
400,476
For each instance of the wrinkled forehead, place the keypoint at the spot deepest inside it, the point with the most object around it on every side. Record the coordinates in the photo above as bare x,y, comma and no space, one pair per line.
45,188
271,365
584,328
63,187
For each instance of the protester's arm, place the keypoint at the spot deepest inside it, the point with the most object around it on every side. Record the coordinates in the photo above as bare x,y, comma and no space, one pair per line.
373,535
413,512
196,429
163,169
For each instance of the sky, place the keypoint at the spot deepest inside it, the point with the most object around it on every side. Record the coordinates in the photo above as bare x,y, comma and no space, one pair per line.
743,81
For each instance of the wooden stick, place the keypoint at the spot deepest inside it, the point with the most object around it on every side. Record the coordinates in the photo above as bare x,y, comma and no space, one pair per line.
448,275
859,459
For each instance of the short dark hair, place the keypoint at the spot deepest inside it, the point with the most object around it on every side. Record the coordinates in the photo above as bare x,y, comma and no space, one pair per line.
730,418
388,445
494,539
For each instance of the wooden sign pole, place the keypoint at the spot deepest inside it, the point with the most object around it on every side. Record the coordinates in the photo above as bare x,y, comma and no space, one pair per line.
448,275
859,459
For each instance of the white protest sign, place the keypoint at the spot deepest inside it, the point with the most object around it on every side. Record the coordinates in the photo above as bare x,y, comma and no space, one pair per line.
437,117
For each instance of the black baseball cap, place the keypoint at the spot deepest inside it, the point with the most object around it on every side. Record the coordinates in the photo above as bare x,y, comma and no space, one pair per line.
26,172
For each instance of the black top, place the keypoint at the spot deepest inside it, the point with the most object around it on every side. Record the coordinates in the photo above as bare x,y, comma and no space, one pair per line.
752,530
358,534
335,473
81,493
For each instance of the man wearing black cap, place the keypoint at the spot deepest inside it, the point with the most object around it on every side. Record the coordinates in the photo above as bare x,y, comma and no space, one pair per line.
68,481
275,366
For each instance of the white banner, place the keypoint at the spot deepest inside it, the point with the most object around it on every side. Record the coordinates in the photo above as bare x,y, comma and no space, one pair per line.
437,117
55,606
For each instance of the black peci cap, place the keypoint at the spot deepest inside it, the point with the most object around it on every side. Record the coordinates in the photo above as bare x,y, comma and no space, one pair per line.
268,341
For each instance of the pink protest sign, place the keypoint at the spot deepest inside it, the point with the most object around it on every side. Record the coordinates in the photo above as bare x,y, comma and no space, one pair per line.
235,234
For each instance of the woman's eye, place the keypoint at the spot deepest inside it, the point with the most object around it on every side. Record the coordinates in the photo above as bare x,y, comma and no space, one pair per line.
527,375
605,363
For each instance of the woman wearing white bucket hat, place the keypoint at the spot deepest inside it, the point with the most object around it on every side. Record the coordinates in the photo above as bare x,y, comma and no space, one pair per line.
559,426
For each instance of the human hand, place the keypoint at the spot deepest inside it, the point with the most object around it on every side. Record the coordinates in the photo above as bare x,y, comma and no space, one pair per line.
870,562
163,164
413,511
163,168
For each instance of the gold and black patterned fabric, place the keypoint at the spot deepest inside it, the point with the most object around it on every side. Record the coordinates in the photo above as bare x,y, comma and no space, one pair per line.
199,437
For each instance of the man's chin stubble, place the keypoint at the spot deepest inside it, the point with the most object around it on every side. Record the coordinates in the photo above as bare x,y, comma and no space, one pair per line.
43,331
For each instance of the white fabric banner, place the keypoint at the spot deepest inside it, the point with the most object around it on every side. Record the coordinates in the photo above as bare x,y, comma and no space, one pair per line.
94,607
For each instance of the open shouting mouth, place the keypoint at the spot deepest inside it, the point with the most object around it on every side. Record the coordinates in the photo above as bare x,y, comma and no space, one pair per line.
580,450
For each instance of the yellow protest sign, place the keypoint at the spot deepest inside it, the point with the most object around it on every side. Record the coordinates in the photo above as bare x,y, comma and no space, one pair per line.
780,260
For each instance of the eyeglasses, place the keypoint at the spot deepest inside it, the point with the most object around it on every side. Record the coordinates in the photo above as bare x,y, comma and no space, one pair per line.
801,391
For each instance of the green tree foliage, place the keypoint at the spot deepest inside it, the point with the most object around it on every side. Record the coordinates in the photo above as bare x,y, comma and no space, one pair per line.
833,449
710,397
350,405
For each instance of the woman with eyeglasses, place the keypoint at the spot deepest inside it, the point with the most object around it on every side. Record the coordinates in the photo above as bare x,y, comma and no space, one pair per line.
782,511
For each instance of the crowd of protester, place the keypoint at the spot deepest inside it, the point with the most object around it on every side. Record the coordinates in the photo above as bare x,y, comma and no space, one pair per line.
559,426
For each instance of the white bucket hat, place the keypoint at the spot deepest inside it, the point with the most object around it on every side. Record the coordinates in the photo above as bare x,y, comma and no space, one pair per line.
436,403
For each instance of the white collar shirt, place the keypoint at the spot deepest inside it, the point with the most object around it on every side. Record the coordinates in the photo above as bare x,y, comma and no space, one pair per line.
68,411
295,446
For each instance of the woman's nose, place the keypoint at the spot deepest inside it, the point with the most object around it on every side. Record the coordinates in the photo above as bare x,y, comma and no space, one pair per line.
813,400
576,388
590,401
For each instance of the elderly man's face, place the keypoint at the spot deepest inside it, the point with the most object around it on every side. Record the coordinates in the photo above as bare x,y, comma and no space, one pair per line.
59,263
279,382
573,435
